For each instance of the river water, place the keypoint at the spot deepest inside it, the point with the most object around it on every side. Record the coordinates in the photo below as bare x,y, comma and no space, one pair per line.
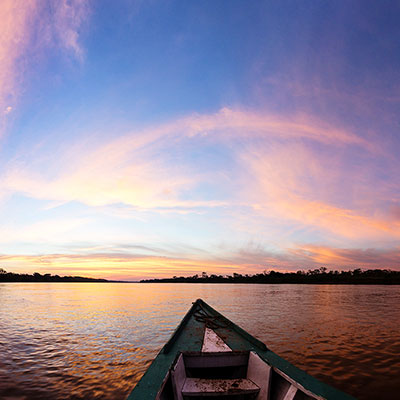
95,340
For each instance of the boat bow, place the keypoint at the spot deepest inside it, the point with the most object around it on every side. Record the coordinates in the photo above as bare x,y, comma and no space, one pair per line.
210,356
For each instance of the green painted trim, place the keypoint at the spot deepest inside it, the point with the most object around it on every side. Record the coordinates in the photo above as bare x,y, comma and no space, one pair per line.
188,337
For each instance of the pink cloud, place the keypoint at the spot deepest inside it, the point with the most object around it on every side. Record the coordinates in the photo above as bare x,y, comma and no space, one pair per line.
348,257
306,256
14,37
126,170
282,178
236,123
297,183
69,16
27,27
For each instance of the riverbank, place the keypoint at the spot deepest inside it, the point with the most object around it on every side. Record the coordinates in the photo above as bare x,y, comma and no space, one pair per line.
36,277
316,277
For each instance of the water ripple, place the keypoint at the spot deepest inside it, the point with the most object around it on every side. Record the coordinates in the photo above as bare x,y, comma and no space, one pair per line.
78,341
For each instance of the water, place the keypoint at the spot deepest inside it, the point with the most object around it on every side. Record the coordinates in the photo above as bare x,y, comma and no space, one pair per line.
95,340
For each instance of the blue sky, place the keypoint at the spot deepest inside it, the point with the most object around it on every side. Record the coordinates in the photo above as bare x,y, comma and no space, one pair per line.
142,139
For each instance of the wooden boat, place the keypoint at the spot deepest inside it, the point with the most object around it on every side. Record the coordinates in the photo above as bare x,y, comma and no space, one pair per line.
210,356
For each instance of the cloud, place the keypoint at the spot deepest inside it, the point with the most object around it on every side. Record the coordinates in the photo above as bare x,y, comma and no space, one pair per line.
14,38
287,175
69,15
131,266
307,256
134,169
394,211
29,28
103,181
236,123
43,231
346,258
321,191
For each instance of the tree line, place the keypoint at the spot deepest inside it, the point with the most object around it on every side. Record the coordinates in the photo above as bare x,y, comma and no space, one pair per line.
314,276
36,277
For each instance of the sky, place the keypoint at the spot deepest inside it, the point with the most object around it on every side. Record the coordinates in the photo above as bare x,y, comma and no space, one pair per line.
143,139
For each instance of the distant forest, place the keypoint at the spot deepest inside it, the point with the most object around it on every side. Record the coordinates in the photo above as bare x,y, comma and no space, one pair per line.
36,277
315,276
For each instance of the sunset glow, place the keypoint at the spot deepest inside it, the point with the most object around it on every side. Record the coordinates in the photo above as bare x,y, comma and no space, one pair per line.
152,139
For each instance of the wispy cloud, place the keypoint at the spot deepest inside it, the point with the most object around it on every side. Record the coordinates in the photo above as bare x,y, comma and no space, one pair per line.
57,229
236,123
28,28
290,173
68,17
348,257
321,190
303,257
132,169
14,38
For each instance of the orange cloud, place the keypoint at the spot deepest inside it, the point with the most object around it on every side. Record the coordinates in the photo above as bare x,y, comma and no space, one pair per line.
337,220
357,258
295,183
102,181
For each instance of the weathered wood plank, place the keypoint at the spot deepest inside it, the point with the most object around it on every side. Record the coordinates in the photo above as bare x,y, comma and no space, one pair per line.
197,387
213,343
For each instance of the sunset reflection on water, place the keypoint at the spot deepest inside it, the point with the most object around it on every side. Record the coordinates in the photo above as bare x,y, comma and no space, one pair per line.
95,340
